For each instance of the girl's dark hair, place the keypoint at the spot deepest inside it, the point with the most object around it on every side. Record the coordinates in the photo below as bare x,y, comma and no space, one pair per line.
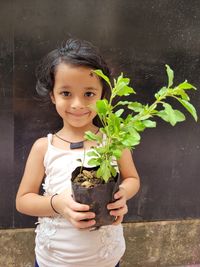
74,52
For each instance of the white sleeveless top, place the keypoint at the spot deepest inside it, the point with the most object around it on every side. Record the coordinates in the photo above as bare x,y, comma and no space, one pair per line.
58,242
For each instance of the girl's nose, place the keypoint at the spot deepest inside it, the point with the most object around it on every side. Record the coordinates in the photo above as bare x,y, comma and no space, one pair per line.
77,103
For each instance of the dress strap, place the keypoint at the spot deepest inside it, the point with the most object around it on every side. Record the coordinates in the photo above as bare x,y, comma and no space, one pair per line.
50,138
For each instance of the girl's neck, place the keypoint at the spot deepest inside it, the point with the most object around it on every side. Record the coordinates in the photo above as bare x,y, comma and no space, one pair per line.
76,134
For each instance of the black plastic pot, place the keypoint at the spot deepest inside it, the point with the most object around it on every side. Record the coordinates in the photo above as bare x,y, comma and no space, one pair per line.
97,197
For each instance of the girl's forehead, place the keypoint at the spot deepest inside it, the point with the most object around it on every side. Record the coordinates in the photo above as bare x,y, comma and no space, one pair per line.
72,74
69,69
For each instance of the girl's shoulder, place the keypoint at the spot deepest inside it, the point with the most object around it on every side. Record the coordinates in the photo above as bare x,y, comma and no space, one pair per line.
40,145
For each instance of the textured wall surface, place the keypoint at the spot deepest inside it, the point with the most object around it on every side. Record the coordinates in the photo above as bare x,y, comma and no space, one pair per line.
156,244
136,37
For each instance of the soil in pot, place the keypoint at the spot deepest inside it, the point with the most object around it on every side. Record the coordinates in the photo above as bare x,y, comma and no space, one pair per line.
90,190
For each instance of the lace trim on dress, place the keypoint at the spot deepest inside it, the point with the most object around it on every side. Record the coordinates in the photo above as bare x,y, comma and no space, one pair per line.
110,239
46,229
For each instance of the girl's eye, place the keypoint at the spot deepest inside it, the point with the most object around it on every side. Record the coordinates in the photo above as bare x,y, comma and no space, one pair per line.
65,93
89,94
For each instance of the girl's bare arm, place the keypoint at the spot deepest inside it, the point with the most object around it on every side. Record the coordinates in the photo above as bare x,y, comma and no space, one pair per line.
127,189
28,200
130,178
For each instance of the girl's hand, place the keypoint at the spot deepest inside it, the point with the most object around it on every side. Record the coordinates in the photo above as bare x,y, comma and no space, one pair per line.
78,214
119,207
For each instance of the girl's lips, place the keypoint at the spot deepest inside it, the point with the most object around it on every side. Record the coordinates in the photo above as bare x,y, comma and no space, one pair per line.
78,114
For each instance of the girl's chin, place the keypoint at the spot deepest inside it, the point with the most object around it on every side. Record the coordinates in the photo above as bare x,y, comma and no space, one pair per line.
78,124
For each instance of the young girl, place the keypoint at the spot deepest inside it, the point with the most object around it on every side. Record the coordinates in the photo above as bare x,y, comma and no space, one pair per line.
63,234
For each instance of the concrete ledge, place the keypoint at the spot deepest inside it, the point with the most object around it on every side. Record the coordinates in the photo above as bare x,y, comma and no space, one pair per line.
149,244
167,244
17,247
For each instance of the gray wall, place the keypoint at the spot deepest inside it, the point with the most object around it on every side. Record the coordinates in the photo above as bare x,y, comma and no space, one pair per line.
138,38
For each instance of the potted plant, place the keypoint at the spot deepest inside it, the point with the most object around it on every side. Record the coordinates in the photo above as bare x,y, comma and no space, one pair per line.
99,184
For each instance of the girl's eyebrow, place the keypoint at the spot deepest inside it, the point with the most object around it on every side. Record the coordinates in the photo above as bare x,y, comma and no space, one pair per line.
67,87
91,88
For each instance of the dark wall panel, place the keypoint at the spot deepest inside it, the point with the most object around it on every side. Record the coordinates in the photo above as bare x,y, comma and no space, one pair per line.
7,180
138,38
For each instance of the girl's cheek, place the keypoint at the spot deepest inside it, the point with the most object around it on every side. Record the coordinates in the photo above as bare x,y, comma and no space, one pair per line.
60,103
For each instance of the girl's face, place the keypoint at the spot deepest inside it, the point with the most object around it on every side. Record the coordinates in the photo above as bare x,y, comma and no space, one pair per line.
76,89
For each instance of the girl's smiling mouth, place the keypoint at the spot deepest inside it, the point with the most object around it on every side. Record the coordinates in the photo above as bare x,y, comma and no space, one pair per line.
78,114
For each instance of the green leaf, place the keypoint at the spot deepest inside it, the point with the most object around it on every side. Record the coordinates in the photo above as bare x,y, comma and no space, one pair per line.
101,150
131,140
102,106
163,115
117,153
91,136
125,91
92,154
136,106
145,117
119,112
139,126
103,76
161,92
185,85
171,115
122,80
179,115
113,171
93,162
170,74
149,123
123,103
104,171
189,107
121,87
113,123
183,95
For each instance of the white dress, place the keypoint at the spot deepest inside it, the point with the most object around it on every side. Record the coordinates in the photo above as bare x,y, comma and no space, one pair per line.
58,242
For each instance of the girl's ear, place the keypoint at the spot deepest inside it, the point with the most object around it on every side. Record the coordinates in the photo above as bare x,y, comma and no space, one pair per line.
52,97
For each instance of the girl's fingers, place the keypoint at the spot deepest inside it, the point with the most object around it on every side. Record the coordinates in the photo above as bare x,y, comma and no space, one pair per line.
117,204
78,216
83,224
118,220
66,201
119,212
121,193
79,207
118,195
73,205
80,219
